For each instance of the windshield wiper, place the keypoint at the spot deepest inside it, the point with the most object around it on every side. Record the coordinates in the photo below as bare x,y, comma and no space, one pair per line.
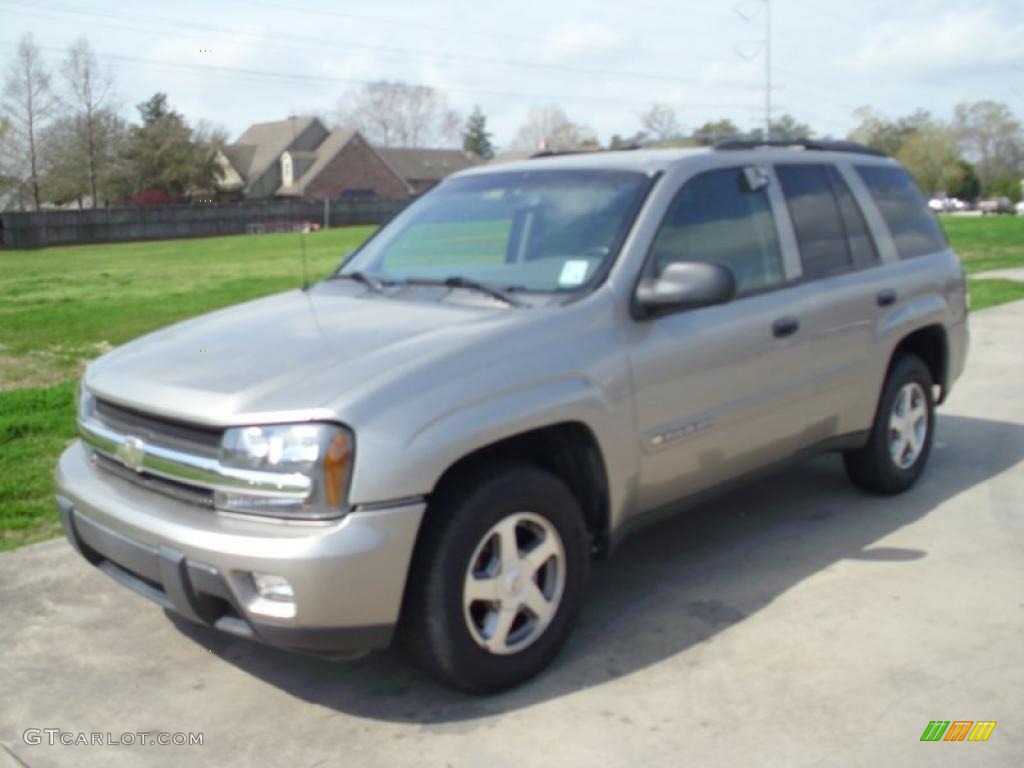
370,282
458,281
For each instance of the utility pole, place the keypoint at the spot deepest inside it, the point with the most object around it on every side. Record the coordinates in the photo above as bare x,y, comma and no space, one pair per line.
767,70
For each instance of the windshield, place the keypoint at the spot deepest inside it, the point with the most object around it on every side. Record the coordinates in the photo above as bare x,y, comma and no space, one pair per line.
526,230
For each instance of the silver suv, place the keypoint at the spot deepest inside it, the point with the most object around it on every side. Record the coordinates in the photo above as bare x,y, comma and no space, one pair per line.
434,442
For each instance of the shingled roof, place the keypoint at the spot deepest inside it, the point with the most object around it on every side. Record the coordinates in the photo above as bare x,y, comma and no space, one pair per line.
240,156
426,164
262,144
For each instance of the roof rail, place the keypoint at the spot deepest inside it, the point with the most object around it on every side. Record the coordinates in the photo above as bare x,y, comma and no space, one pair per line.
819,145
584,151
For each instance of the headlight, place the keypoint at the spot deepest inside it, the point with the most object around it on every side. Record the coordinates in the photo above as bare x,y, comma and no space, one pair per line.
320,452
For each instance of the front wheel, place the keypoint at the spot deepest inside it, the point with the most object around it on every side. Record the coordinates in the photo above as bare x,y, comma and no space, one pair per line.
901,437
497,580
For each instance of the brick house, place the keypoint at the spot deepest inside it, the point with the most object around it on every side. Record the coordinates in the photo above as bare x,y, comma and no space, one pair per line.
300,157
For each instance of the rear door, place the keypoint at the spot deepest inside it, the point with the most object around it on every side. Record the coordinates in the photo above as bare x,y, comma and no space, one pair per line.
923,279
843,285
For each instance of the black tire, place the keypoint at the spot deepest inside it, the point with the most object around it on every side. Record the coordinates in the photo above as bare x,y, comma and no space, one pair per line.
434,629
873,467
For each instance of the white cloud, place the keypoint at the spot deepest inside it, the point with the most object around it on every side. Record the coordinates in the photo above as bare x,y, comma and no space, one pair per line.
828,57
960,41
578,40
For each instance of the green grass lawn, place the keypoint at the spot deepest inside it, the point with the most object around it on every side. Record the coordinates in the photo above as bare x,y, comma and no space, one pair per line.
35,425
60,307
985,243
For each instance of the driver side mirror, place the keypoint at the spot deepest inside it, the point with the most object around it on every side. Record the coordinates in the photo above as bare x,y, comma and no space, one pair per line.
684,285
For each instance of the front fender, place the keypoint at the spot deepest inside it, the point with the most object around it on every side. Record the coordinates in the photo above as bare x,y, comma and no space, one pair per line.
388,467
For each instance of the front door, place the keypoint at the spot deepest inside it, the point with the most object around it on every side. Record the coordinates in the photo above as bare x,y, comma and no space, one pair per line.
718,390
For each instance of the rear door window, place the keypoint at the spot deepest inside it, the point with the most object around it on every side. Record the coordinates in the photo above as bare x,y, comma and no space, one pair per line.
914,228
817,221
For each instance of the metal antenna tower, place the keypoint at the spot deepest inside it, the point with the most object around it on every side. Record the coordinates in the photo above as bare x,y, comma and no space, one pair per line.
766,45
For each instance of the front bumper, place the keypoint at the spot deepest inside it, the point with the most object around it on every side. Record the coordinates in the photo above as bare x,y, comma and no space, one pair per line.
348,576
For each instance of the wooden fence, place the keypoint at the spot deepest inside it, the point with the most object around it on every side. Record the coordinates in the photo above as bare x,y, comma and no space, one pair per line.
110,225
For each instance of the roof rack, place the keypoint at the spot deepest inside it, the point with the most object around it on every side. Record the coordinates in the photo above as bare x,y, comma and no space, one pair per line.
819,145
584,151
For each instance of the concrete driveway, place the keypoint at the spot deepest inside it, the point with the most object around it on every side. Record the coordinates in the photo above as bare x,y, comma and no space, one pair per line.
796,622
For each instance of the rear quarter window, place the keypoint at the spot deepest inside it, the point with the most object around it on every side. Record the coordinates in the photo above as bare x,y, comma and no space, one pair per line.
915,230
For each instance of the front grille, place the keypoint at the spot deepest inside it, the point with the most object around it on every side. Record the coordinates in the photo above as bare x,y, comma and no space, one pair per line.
201,441
188,493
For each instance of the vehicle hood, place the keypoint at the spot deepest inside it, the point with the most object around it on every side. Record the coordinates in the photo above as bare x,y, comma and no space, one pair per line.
293,355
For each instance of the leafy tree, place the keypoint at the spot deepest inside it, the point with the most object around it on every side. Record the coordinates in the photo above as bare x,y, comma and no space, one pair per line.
28,106
788,127
879,132
962,182
1006,186
476,138
714,131
784,127
929,153
638,139
209,139
165,154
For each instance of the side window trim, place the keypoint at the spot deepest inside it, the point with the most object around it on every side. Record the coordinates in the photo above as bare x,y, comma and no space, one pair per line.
792,265
836,181
879,229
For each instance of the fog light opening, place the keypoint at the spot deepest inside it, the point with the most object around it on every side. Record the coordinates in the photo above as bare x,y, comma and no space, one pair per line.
272,587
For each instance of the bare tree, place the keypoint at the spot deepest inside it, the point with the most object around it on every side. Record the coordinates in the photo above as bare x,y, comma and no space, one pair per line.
549,128
10,191
660,123
396,114
28,104
91,89
63,165
992,137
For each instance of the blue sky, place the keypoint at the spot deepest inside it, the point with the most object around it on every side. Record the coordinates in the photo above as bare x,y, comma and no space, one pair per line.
603,61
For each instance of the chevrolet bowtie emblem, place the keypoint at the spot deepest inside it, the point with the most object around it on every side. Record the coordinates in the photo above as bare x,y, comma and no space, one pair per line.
131,453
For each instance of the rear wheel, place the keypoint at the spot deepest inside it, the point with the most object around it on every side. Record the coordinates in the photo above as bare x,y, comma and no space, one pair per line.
901,437
497,580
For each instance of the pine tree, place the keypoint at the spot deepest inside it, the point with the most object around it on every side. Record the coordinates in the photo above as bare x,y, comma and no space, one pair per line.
476,138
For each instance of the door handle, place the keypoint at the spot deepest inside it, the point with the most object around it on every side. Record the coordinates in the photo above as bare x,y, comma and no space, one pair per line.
785,326
886,298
